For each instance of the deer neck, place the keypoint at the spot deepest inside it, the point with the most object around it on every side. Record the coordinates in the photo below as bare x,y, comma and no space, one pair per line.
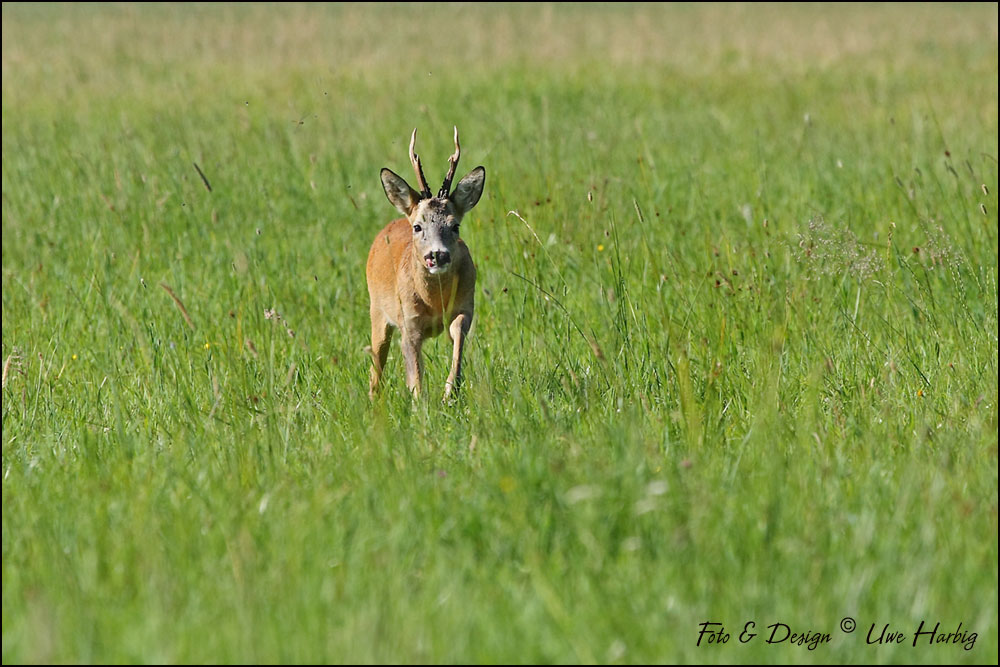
436,288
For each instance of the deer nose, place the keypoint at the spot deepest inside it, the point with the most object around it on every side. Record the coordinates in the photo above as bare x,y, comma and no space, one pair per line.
439,257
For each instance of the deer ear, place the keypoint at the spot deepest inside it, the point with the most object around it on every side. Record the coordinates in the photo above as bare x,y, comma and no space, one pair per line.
399,192
469,190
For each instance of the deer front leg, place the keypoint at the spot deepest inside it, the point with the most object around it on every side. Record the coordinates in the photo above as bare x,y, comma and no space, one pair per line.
412,344
457,331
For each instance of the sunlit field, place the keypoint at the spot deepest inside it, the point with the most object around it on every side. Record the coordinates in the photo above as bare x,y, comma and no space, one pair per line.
734,356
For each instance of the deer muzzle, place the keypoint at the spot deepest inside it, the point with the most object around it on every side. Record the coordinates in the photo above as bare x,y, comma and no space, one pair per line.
437,260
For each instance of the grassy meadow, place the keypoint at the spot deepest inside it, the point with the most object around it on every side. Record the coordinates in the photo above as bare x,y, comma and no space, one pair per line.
734,355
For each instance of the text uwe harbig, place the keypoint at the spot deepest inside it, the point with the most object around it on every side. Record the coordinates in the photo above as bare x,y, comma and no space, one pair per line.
923,634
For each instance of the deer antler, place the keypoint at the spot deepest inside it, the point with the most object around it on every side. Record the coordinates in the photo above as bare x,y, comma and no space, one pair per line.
425,191
452,163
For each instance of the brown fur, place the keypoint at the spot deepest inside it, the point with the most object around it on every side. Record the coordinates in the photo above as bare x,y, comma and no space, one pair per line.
412,283
405,296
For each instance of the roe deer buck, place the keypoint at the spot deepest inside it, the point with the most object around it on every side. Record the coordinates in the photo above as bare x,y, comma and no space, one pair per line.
421,279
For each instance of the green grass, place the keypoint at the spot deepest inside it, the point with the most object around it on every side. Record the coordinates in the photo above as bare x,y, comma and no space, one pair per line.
734,359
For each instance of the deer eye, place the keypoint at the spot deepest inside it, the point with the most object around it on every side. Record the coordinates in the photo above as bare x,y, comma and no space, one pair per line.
417,228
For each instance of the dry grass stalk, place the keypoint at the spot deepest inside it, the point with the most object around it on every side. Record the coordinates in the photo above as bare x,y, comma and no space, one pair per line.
180,305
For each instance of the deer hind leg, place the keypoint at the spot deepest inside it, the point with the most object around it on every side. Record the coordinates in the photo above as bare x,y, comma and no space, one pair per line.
381,338
457,331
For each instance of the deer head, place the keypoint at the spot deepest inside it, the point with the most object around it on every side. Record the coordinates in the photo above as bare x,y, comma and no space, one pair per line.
434,219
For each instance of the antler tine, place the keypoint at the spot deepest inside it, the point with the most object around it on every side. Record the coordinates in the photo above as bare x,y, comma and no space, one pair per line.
425,190
452,163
